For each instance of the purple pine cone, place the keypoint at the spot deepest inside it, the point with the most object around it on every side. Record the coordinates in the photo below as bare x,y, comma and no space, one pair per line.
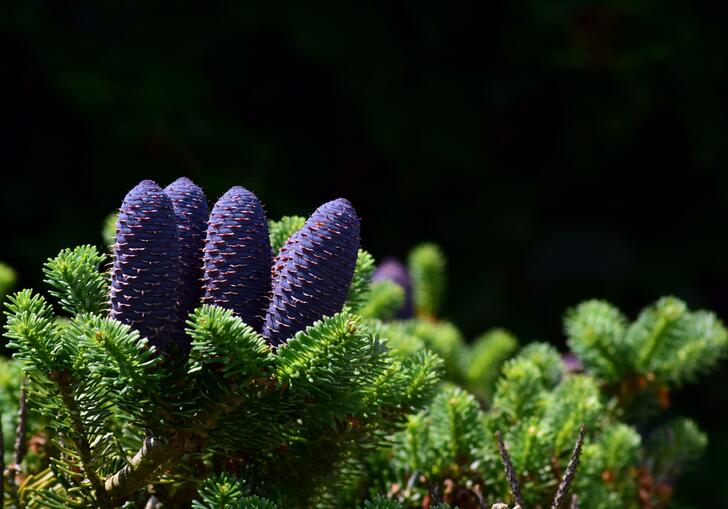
237,260
313,271
191,212
393,270
145,273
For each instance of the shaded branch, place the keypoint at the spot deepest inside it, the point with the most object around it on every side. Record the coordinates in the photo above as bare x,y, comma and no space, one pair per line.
21,447
153,454
510,471
570,473
80,440
156,453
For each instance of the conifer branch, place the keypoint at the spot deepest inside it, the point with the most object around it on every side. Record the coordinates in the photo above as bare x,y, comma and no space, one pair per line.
156,453
80,439
510,471
568,478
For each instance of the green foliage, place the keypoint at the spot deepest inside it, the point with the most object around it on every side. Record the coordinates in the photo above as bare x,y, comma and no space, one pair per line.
439,443
332,362
351,407
547,359
341,377
118,363
667,343
539,407
225,345
674,343
674,446
596,335
35,335
108,230
7,279
611,457
75,405
426,266
487,353
280,230
75,280
384,300
539,410
455,429
10,377
521,390
359,288
226,492
572,403
445,340
382,503
311,409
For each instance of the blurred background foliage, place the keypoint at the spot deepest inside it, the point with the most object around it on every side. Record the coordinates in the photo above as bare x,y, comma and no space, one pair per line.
558,151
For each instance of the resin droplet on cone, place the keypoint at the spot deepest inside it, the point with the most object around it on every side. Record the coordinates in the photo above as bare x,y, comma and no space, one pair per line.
393,270
236,259
313,271
145,273
191,214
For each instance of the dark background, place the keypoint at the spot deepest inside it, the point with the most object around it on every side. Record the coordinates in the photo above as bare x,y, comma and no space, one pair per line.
556,150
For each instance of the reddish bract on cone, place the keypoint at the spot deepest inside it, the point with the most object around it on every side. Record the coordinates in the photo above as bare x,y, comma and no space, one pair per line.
145,274
313,271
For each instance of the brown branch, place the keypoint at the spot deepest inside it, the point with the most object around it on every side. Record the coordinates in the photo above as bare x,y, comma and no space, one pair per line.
153,454
21,447
510,471
570,473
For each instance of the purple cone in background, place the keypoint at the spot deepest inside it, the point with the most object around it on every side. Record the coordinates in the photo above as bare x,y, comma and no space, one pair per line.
393,270
572,364
145,274
191,213
236,261
313,271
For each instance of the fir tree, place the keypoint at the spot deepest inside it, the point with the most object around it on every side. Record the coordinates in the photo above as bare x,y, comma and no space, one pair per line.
267,427
337,399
